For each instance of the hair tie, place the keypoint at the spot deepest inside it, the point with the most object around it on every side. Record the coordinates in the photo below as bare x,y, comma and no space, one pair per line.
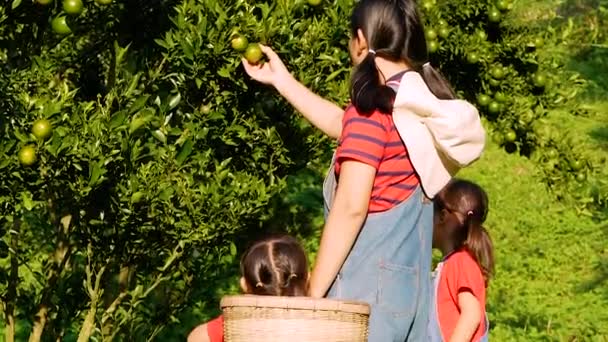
259,284
373,52
292,276
470,213
427,64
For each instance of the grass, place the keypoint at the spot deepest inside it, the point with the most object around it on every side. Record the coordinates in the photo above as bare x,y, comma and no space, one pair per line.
552,265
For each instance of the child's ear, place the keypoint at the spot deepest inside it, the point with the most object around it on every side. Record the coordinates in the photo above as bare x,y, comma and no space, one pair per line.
362,42
443,216
244,286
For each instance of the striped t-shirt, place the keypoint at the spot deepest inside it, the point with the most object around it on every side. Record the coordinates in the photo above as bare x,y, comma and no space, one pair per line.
374,140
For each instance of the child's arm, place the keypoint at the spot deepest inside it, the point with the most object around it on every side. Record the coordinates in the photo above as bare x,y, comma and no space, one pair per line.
470,318
199,334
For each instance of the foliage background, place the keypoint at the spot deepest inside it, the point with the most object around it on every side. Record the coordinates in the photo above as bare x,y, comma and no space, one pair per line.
235,149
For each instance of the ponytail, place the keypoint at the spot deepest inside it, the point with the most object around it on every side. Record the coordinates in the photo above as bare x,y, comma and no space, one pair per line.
438,85
393,31
276,266
367,91
479,244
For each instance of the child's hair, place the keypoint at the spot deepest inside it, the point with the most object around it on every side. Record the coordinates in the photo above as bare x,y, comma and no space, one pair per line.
394,31
471,201
275,266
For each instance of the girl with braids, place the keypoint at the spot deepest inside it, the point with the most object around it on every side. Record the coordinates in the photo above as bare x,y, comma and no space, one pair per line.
273,266
400,140
462,276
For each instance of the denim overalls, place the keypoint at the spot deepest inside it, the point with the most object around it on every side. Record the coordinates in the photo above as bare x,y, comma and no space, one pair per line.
434,330
389,267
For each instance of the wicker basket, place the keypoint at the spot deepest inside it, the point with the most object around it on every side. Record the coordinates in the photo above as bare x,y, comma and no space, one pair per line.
250,318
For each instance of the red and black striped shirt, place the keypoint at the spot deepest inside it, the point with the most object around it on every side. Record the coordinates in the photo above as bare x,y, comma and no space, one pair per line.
374,140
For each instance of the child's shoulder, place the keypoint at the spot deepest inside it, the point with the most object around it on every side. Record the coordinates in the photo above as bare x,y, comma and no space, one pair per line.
461,257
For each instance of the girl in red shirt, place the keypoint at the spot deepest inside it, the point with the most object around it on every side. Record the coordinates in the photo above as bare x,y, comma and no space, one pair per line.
462,276
273,266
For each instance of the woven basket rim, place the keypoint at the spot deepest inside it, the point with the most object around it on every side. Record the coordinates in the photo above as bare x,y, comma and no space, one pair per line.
299,303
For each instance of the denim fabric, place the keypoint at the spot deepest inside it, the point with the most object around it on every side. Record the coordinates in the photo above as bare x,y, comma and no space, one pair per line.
389,268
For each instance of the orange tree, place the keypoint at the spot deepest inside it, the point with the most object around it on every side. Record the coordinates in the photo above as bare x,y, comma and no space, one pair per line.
500,64
136,157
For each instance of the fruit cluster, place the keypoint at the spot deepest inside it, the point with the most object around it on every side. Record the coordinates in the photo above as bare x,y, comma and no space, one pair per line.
42,130
71,8
251,51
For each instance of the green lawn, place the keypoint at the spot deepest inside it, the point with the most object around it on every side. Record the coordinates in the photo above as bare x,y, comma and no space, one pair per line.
552,265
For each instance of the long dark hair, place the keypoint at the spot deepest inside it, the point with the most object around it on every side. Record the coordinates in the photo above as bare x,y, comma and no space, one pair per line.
394,31
275,266
471,202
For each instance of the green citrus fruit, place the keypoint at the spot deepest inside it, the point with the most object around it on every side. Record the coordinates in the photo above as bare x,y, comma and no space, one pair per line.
482,34
205,109
444,32
472,58
239,43
103,2
253,53
500,97
576,165
494,15
432,46
72,7
442,23
503,5
494,83
428,5
483,100
581,177
27,155
497,72
539,42
498,138
314,2
494,107
431,34
42,129
60,26
44,2
539,80
510,136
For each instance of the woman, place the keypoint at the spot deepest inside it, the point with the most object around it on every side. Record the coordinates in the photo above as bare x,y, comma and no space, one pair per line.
376,243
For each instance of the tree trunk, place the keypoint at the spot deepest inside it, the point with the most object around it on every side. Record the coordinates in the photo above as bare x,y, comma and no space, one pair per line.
62,254
89,322
93,289
39,324
11,295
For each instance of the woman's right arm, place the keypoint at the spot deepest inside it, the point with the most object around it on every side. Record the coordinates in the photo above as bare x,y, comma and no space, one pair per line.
322,113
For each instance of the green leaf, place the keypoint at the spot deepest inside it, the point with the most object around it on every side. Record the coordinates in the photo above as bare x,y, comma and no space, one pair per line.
184,152
232,249
139,103
27,201
16,3
174,100
95,173
160,136
118,119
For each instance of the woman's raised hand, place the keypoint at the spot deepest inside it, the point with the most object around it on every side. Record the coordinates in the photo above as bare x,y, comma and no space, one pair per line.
271,72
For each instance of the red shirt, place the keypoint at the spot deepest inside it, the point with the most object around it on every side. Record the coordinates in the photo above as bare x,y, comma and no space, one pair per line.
374,140
215,329
460,273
